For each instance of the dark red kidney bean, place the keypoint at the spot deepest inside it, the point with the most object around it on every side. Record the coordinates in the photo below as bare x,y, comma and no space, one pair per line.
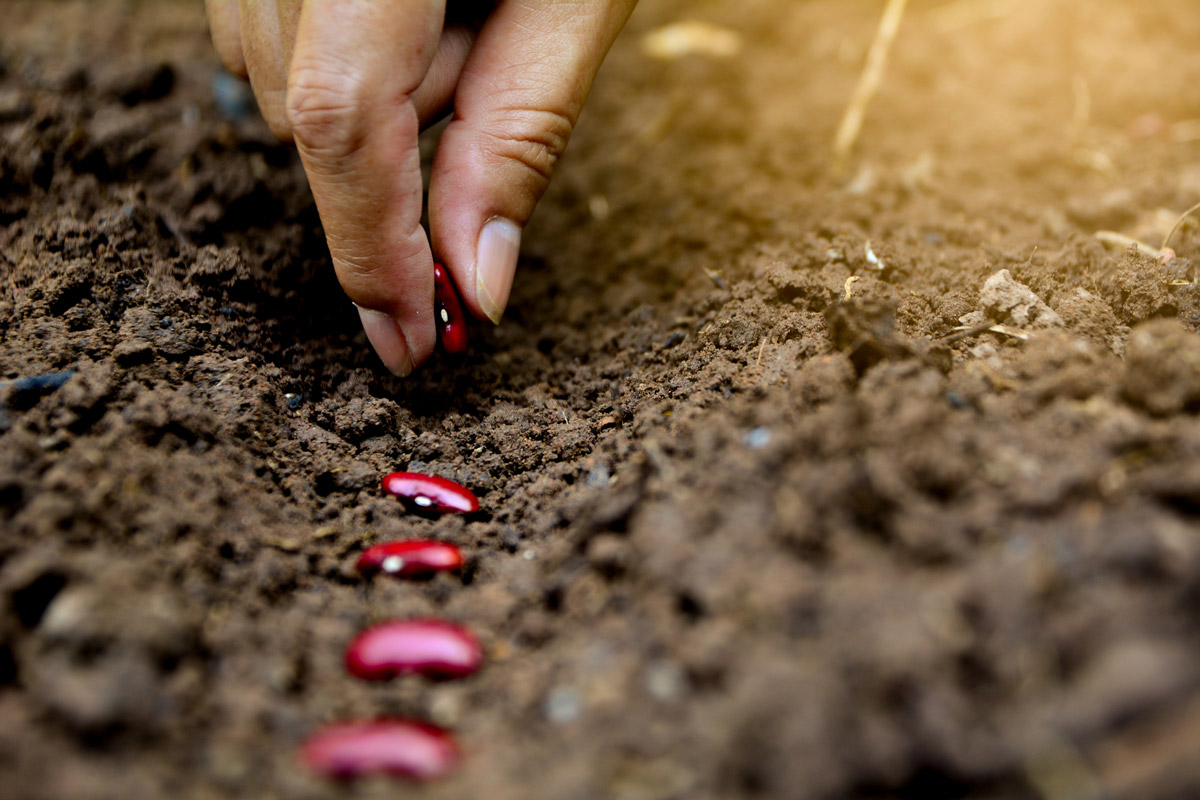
432,648
348,750
451,321
409,559
431,493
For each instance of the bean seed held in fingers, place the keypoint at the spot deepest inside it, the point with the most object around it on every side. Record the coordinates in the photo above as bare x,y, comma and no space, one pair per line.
451,321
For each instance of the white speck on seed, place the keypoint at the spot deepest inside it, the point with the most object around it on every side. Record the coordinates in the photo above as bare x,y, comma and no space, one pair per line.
392,564
423,501
445,316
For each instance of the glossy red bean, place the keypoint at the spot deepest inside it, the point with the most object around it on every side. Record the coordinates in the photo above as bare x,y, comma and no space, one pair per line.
451,321
431,493
411,559
400,747
432,648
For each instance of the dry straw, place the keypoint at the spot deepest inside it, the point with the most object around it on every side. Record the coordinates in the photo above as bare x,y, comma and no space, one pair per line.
868,82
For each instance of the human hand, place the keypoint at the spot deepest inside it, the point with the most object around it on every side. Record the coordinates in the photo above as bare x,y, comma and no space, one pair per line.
353,81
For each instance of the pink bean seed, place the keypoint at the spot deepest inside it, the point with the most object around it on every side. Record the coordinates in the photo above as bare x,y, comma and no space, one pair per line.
408,749
431,493
432,648
410,559
451,321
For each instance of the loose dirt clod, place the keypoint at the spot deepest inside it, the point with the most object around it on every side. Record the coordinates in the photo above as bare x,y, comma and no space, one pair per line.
1162,368
691,37
1005,301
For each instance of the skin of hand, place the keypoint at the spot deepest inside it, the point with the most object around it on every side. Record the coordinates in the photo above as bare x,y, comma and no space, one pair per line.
352,82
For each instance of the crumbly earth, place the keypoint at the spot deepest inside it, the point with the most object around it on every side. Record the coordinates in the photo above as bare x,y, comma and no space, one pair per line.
744,535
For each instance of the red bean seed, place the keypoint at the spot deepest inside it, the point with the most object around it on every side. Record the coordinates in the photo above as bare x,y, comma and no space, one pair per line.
431,493
451,321
432,648
409,559
400,747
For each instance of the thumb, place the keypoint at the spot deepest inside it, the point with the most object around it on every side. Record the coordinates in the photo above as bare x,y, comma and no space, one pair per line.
519,96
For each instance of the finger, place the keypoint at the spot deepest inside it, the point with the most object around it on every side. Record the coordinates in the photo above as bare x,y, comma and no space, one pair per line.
350,105
226,34
433,97
269,37
517,101
268,33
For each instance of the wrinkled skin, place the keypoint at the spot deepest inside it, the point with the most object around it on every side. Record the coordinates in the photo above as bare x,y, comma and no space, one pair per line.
352,82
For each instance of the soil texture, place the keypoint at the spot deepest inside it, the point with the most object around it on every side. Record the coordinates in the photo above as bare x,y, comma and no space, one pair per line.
796,483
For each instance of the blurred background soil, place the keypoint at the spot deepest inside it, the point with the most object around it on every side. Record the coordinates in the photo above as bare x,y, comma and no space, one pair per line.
744,536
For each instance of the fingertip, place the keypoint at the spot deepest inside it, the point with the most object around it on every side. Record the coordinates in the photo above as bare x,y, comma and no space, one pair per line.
226,34
386,336
268,33
513,119
496,256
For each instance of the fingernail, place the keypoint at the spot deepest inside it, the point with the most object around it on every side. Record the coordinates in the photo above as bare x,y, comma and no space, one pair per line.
495,264
387,339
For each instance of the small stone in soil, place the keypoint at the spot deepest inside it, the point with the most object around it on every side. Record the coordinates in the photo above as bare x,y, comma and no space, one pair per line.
404,748
39,384
665,680
232,96
563,705
598,476
757,438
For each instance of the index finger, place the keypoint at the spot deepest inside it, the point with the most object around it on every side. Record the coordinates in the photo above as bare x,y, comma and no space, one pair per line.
355,67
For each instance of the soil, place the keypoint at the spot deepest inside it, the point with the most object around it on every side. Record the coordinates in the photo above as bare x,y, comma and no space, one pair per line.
744,536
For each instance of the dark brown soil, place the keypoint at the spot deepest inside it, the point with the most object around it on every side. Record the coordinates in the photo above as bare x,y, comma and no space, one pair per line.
744,537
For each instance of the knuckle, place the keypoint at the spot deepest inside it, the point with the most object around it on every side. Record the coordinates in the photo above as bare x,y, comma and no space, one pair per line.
323,109
532,138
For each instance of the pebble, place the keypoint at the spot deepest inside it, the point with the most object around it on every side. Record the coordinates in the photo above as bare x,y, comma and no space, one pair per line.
233,96
598,476
757,438
13,106
665,680
564,704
